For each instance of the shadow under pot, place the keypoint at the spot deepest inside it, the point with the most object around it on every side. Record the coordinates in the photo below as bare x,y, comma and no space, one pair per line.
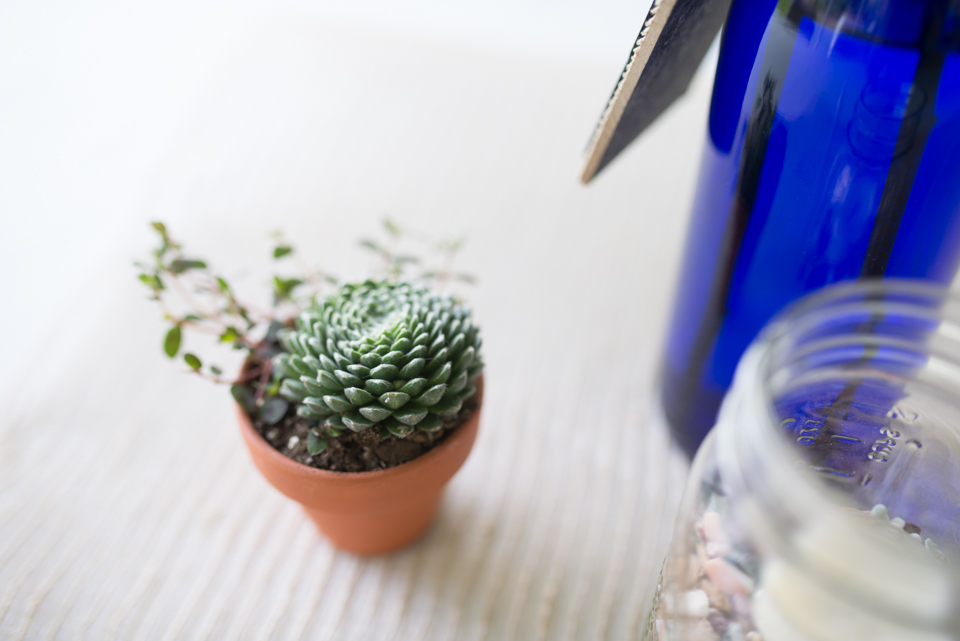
368,513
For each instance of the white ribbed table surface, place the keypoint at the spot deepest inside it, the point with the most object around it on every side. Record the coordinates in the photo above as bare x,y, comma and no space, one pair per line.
129,508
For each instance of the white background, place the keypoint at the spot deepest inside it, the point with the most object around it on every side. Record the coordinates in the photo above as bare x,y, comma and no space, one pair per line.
91,94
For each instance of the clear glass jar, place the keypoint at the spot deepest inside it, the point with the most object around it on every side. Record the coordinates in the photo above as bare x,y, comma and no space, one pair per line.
825,503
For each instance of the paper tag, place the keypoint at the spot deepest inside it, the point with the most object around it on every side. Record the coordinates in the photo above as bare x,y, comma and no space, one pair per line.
672,43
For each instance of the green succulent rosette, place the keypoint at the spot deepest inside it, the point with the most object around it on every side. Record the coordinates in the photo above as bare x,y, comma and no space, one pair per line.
381,353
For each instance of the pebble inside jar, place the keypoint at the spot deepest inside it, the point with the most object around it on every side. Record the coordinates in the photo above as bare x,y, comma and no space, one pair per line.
825,503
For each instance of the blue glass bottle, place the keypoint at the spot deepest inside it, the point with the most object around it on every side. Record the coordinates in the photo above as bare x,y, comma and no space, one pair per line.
833,153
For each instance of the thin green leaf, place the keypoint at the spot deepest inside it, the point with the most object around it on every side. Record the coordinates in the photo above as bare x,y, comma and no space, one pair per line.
231,335
391,228
283,287
273,410
282,250
181,265
171,343
243,396
216,371
369,244
192,361
152,281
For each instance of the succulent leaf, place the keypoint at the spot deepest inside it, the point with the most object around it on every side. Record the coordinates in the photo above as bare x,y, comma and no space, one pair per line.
395,400
338,403
316,444
454,328
378,386
465,359
420,351
414,386
282,366
357,421
457,345
316,347
411,369
329,381
371,359
304,411
432,396
375,413
333,421
402,345
358,396
317,405
288,339
359,370
437,362
411,414
437,345
342,361
292,390
391,354
311,386
474,370
442,376
397,428
447,406
458,382
312,362
394,358
308,349
430,423
385,371
327,364
300,367
348,379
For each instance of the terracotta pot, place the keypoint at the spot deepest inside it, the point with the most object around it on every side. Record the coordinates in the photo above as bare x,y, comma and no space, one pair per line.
368,512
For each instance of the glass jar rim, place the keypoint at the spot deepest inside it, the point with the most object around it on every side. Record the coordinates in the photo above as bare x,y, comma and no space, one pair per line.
757,462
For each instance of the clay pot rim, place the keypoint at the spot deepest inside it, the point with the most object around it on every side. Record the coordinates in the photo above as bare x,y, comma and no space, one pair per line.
399,470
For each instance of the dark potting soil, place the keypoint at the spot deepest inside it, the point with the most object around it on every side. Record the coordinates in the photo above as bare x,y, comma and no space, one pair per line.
356,451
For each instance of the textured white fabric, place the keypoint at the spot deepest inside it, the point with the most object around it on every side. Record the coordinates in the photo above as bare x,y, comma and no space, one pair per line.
128,506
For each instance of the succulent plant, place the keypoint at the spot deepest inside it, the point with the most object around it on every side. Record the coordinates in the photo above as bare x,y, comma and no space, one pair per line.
392,354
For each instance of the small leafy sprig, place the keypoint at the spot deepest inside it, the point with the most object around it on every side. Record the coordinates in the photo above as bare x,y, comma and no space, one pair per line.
286,290
209,301
395,265
195,298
